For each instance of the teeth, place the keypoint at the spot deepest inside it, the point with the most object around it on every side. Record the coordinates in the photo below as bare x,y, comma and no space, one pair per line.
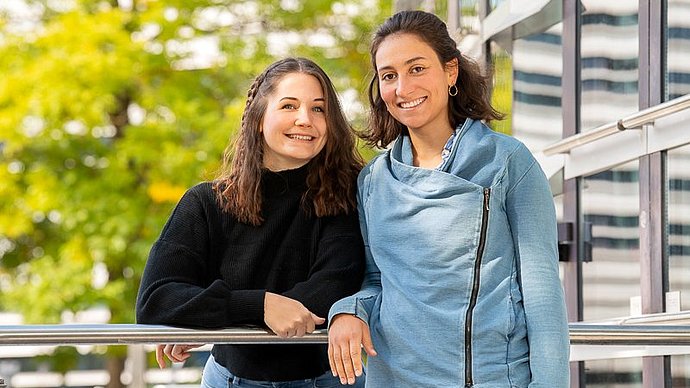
413,103
300,137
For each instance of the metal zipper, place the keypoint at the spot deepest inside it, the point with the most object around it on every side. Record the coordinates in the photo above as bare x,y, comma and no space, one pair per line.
475,289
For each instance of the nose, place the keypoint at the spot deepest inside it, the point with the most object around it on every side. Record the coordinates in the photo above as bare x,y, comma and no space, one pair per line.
404,86
303,118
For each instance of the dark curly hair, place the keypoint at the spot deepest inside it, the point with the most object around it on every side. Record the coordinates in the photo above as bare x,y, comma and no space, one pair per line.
332,174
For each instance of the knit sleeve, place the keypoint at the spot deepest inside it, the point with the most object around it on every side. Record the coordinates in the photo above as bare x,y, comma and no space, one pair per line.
178,286
338,267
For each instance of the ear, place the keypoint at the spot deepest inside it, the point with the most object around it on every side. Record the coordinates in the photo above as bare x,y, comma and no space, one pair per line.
452,71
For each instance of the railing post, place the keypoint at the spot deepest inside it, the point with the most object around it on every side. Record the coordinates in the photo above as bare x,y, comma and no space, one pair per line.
136,365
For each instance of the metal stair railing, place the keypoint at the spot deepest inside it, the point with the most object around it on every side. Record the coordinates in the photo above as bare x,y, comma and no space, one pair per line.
635,120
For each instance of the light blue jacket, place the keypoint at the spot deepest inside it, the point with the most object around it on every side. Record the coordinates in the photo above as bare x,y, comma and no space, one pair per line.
461,287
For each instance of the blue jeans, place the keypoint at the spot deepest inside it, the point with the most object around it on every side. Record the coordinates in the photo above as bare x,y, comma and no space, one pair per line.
217,376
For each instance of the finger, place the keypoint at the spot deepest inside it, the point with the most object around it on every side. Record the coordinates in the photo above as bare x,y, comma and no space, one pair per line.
347,363
367,343
188,348
178,353
300,331
184,353
311,326
331,361
172,354
160,357
356,358
339,367
168,351
173,351
317,320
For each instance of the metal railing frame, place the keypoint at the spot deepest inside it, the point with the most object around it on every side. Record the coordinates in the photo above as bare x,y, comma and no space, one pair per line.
668,329
633,121
130,334
651,334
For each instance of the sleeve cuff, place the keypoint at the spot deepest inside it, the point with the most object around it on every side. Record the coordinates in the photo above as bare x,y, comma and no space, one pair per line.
351,305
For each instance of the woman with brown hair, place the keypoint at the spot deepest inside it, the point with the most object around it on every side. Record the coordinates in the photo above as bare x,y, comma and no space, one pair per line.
274,240
461,285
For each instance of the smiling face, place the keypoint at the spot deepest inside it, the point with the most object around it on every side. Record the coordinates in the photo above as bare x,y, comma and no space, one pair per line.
294,124
413,83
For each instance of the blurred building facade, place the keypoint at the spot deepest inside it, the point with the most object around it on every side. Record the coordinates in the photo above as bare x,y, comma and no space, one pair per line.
566,67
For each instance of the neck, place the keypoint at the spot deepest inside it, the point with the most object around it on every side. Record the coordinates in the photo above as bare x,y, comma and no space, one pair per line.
427,147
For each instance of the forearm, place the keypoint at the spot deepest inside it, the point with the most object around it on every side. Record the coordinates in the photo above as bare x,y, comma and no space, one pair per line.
338,266
361,303
216,306
175,290
328,284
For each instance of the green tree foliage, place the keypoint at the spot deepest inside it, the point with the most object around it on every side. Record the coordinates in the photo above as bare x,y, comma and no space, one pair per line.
502,96
107,115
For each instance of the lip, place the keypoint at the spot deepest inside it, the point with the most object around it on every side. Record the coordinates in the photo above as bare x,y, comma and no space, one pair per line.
300,137
411,103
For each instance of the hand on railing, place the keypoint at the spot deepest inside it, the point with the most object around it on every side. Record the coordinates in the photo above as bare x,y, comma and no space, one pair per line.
288,317
175,352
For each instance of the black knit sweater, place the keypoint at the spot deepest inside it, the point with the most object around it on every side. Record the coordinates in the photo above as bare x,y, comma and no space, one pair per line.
207,270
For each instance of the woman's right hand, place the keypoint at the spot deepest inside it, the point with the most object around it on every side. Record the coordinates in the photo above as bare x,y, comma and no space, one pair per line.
175,352
288,317
347,335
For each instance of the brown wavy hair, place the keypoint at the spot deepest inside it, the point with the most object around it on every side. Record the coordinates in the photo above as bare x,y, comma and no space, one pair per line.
473,99
332,174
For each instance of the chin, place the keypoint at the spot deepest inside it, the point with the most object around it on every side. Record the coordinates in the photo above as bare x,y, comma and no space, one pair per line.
412,126
410,122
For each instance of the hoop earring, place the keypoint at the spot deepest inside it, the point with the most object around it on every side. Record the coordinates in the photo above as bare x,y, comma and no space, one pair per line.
452,90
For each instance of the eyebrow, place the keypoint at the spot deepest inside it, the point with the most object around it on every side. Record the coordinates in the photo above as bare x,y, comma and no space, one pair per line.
407,62
319,99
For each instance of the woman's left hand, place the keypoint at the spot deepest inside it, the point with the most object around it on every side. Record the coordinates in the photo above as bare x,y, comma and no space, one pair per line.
175,352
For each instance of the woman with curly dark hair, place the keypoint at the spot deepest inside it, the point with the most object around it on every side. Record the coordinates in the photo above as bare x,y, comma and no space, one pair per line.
274,240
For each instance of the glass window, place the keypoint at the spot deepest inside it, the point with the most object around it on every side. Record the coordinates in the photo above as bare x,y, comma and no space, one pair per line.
495,3
623,372
609,51
677,80
610,203
537,69
680,371
678,48
678,172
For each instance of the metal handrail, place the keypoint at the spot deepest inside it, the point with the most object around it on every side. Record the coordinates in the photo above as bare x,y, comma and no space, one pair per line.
588,334
635,120
123,334
567,144
650,114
